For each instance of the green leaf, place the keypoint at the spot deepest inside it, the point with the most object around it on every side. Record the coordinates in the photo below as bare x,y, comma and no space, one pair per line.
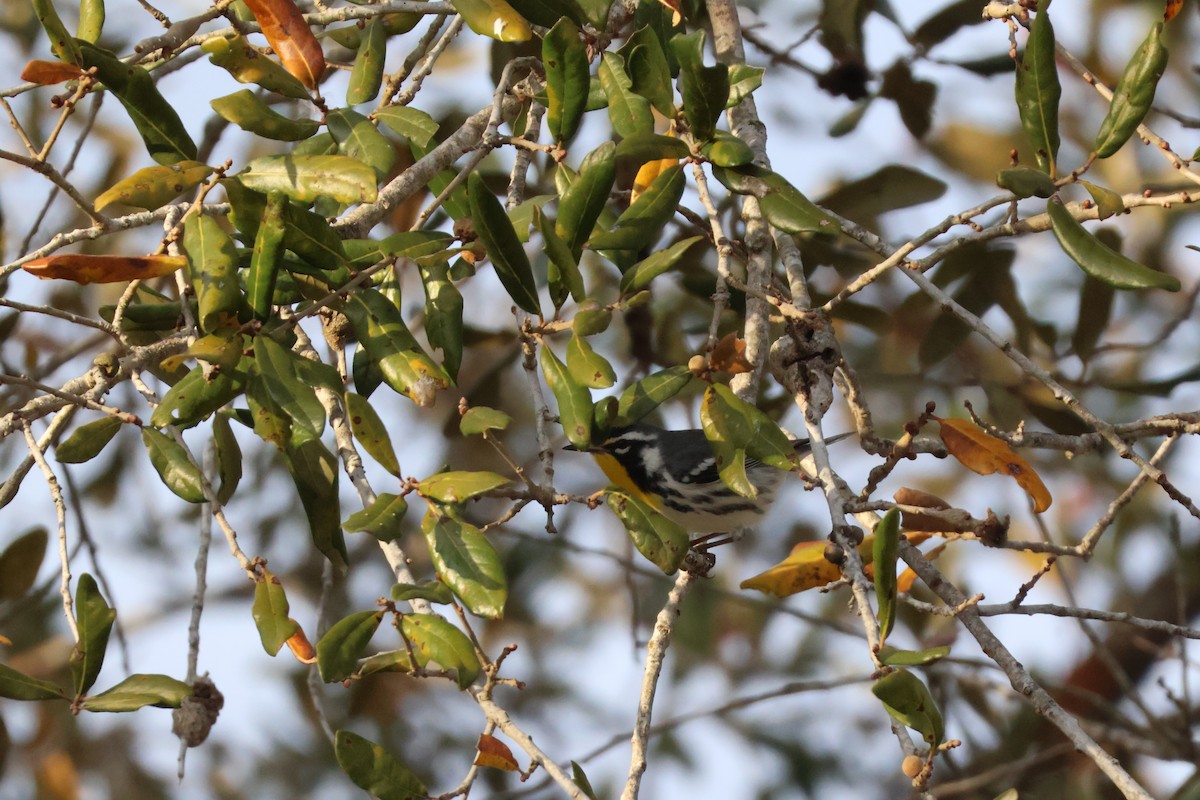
480,419
908,702
138,691
305,233
1026,182
547,13
155,119
643,147
267,258
591,318
64,47
628,112
271,423
173,466
411,123
1134,93
562,268
466,561
94,620
20,562
270,611
657,538
649,268
581,204
251,113
885,549
154,187
433,591
443,314
247,65
381,330
580,779
503,247
382,519
648,69
726,150
705,90
195,397
642,223
494,18
87,441
212,257
370,432
305,178
372,769
367,74
1108,203
314,470
357,137
1098,260
434,639
277,366
587,366
642,397
458,487
16,685
596,11
1038,92
908,658
574,400
342,645
743,81
566,62
783,204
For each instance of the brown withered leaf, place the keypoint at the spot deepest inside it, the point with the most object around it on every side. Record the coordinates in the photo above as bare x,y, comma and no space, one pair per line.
729,355
980,452
947,518
48,73
1172,10
82,268
301,647
495,753
290,38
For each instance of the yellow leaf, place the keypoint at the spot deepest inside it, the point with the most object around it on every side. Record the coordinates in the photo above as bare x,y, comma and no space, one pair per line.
495,753
153,187
807,568
647,173
978,451
82,268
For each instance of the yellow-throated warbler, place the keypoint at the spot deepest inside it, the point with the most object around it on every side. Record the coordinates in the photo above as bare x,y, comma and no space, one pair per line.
675,472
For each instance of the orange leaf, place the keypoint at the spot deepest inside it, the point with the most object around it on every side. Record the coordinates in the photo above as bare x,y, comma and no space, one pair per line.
4,640
729,355
495,753
290,38
301,647
1172,10
83,268
980,452
48,73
